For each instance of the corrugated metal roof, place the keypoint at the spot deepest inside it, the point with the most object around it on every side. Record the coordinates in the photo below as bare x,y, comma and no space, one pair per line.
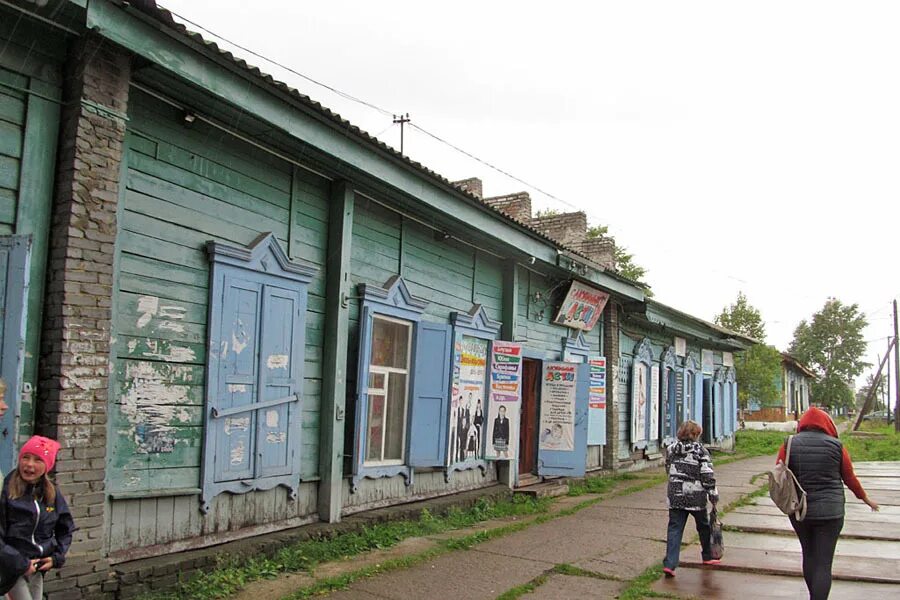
166,17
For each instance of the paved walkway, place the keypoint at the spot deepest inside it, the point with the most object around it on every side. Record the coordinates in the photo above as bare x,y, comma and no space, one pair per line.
763,558
609,543
598,550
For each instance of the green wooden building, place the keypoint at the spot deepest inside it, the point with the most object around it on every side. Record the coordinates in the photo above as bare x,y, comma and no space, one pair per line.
257,316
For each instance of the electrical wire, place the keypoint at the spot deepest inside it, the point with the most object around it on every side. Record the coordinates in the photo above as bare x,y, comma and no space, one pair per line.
375,107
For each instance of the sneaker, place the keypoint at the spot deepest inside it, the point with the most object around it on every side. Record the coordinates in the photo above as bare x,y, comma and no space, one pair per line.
712,561
669,572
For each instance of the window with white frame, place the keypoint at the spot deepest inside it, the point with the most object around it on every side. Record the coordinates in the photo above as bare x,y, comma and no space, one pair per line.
388,390
686,408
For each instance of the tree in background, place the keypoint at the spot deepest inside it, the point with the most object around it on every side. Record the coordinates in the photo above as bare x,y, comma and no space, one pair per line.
880,393
743,318
625,264
757,368
832,345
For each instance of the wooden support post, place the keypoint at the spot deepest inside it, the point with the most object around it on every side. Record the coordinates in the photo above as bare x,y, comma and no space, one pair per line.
896,374
334,368
867,405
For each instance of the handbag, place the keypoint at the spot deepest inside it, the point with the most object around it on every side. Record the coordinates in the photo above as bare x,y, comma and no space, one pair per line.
784,489
716,541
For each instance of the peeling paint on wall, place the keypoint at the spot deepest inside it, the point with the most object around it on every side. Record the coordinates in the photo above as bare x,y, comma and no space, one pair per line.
154,403
239,343
175,354
237,453
236,424
276,437
277,361
272,418
148,306
236,388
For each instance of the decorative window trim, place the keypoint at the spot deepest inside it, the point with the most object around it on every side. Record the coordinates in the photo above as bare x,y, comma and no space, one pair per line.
667,362
474,323
393,300
643,355
264,259
575,347
692,365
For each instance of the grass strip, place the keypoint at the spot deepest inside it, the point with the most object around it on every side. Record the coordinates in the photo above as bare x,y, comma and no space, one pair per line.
233,573
572,570
527,588
884,446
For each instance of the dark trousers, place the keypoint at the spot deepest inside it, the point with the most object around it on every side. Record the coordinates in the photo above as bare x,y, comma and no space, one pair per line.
818,539
677,521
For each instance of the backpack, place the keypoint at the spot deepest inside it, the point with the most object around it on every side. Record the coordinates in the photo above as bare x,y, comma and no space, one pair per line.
785,490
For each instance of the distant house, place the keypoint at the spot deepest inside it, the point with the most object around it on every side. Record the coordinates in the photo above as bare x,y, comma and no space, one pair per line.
794,382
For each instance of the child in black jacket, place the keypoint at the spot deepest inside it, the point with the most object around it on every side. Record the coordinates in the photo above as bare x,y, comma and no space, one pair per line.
35,523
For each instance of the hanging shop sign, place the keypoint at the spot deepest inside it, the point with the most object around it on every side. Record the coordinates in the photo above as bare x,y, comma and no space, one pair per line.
597,402
558,407
506,397
582,307
467,400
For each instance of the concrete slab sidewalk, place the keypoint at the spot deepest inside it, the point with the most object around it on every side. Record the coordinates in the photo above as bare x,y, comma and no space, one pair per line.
713,584
612,541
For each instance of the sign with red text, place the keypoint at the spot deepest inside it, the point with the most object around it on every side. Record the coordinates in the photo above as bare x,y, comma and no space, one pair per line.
506,396
558,407
582,307
597,402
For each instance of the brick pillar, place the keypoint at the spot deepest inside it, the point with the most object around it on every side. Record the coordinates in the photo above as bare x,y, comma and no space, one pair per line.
611,350
74,371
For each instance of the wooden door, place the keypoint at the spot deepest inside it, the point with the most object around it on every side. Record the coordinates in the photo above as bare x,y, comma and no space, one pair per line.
528,419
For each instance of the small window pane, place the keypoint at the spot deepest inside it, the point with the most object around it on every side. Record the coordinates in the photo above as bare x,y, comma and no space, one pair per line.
376,427
390,344
395,418
376,381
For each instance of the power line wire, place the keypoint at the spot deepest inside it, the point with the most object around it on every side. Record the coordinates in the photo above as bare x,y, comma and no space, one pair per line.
375,107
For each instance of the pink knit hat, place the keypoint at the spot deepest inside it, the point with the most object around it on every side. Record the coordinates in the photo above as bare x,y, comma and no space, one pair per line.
44,448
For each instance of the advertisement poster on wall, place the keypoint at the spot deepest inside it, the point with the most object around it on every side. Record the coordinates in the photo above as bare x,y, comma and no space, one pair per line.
467,400
582,307
597,402
558,407
639,385
506,396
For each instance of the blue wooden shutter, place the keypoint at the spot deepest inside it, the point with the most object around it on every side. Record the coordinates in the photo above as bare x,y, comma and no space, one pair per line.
717,409
280,373
234,431
698,398
430,399
14,265
570,463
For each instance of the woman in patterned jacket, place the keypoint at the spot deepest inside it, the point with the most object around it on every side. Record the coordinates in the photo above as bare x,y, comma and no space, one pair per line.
691,482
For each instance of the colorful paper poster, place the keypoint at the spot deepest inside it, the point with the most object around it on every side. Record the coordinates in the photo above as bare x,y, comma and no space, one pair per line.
557,429
506,398
466,441
582,307
597,402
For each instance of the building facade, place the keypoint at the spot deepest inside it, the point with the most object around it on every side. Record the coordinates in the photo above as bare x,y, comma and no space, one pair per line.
239,314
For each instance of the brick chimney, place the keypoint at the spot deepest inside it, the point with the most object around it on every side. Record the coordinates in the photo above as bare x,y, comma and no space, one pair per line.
569,229
601,250
471,185
517,206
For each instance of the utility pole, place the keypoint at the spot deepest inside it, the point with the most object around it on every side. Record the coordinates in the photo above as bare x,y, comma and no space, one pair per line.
896,373
403,120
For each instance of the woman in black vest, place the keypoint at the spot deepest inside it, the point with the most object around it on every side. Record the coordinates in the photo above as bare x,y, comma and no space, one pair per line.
823,466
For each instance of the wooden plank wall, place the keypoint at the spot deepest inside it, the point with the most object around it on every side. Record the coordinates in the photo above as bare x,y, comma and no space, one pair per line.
12,136
186,186
452,277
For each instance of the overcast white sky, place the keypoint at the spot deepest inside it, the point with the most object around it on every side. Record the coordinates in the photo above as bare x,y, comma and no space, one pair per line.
729,145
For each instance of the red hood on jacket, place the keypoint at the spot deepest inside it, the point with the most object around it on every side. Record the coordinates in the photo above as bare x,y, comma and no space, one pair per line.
815,418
